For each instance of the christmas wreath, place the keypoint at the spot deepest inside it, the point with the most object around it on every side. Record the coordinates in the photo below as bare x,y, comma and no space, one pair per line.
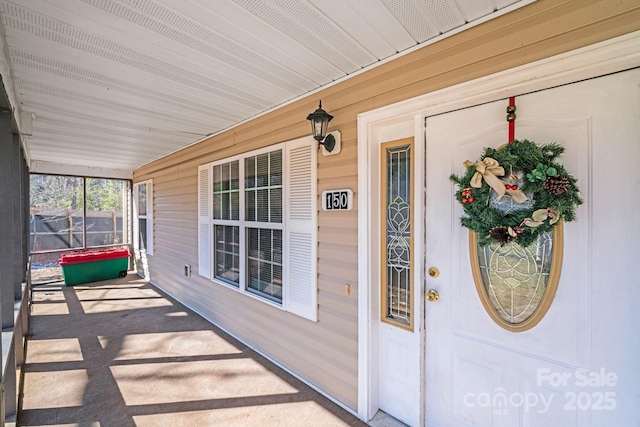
516,193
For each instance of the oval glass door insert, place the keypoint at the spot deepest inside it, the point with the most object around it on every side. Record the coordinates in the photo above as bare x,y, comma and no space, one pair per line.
517,284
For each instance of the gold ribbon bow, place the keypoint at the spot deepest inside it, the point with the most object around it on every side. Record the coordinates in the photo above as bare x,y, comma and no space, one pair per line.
489,169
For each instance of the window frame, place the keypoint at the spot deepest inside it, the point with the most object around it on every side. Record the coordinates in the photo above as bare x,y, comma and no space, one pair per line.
243,224
305,306
148,216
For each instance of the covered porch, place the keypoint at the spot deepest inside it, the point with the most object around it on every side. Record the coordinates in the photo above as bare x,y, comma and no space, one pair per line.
159,94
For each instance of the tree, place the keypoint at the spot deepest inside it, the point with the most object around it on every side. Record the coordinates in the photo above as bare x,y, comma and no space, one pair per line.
65,192
56,192
104,195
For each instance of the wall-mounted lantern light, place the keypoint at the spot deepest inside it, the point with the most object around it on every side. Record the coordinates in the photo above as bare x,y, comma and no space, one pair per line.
319,124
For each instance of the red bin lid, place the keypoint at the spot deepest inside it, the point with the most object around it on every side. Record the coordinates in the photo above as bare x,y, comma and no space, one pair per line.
81,257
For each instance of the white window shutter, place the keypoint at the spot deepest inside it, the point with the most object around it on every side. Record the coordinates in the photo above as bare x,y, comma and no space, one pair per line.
204,221
149,213
300,229
136,233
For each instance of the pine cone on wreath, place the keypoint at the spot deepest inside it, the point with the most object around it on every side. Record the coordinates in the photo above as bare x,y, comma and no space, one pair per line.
502,234
556,185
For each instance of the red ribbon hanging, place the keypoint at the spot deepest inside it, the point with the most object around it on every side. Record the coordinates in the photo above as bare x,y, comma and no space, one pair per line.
512,123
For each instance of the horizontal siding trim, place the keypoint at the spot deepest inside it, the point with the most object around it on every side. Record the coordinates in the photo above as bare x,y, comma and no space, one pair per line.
176,226
346,254
346,237
175,214
337,220
342,313
182,188
337,269
170,201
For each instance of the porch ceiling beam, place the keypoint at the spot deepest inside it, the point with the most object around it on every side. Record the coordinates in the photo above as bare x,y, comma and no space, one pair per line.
39,166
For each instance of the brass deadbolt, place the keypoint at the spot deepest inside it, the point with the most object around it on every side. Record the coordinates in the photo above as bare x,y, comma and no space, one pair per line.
433,272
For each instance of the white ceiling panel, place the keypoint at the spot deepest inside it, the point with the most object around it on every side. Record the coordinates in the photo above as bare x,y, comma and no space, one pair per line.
413,18
247,29
474,9
115,84
501,4
131,46
350,19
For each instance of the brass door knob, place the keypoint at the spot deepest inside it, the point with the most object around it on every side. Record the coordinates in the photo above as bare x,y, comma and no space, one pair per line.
433,295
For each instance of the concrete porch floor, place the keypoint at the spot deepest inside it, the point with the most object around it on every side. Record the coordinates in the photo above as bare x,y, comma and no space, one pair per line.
121,353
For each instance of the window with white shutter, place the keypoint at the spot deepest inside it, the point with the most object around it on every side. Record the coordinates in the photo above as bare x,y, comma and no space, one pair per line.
143,217
257,224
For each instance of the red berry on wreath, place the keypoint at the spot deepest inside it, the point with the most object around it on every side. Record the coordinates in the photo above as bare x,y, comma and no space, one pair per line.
470,199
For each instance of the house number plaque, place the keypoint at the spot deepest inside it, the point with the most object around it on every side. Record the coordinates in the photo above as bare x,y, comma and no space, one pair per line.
337,200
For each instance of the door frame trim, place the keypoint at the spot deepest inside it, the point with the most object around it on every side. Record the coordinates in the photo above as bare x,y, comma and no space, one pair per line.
614,55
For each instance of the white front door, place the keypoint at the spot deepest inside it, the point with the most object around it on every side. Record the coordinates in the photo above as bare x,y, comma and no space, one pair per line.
578,366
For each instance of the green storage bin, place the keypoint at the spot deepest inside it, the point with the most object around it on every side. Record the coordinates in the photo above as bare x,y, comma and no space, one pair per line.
94,266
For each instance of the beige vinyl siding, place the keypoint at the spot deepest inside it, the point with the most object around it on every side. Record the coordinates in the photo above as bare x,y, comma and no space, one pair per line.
325,353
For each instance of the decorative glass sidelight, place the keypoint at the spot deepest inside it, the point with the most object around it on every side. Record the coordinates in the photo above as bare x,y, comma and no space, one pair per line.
397,259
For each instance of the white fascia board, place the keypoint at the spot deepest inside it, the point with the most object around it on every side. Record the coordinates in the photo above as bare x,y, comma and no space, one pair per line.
39,166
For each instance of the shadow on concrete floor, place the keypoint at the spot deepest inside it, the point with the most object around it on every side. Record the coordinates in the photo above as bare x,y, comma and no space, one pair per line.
121,353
